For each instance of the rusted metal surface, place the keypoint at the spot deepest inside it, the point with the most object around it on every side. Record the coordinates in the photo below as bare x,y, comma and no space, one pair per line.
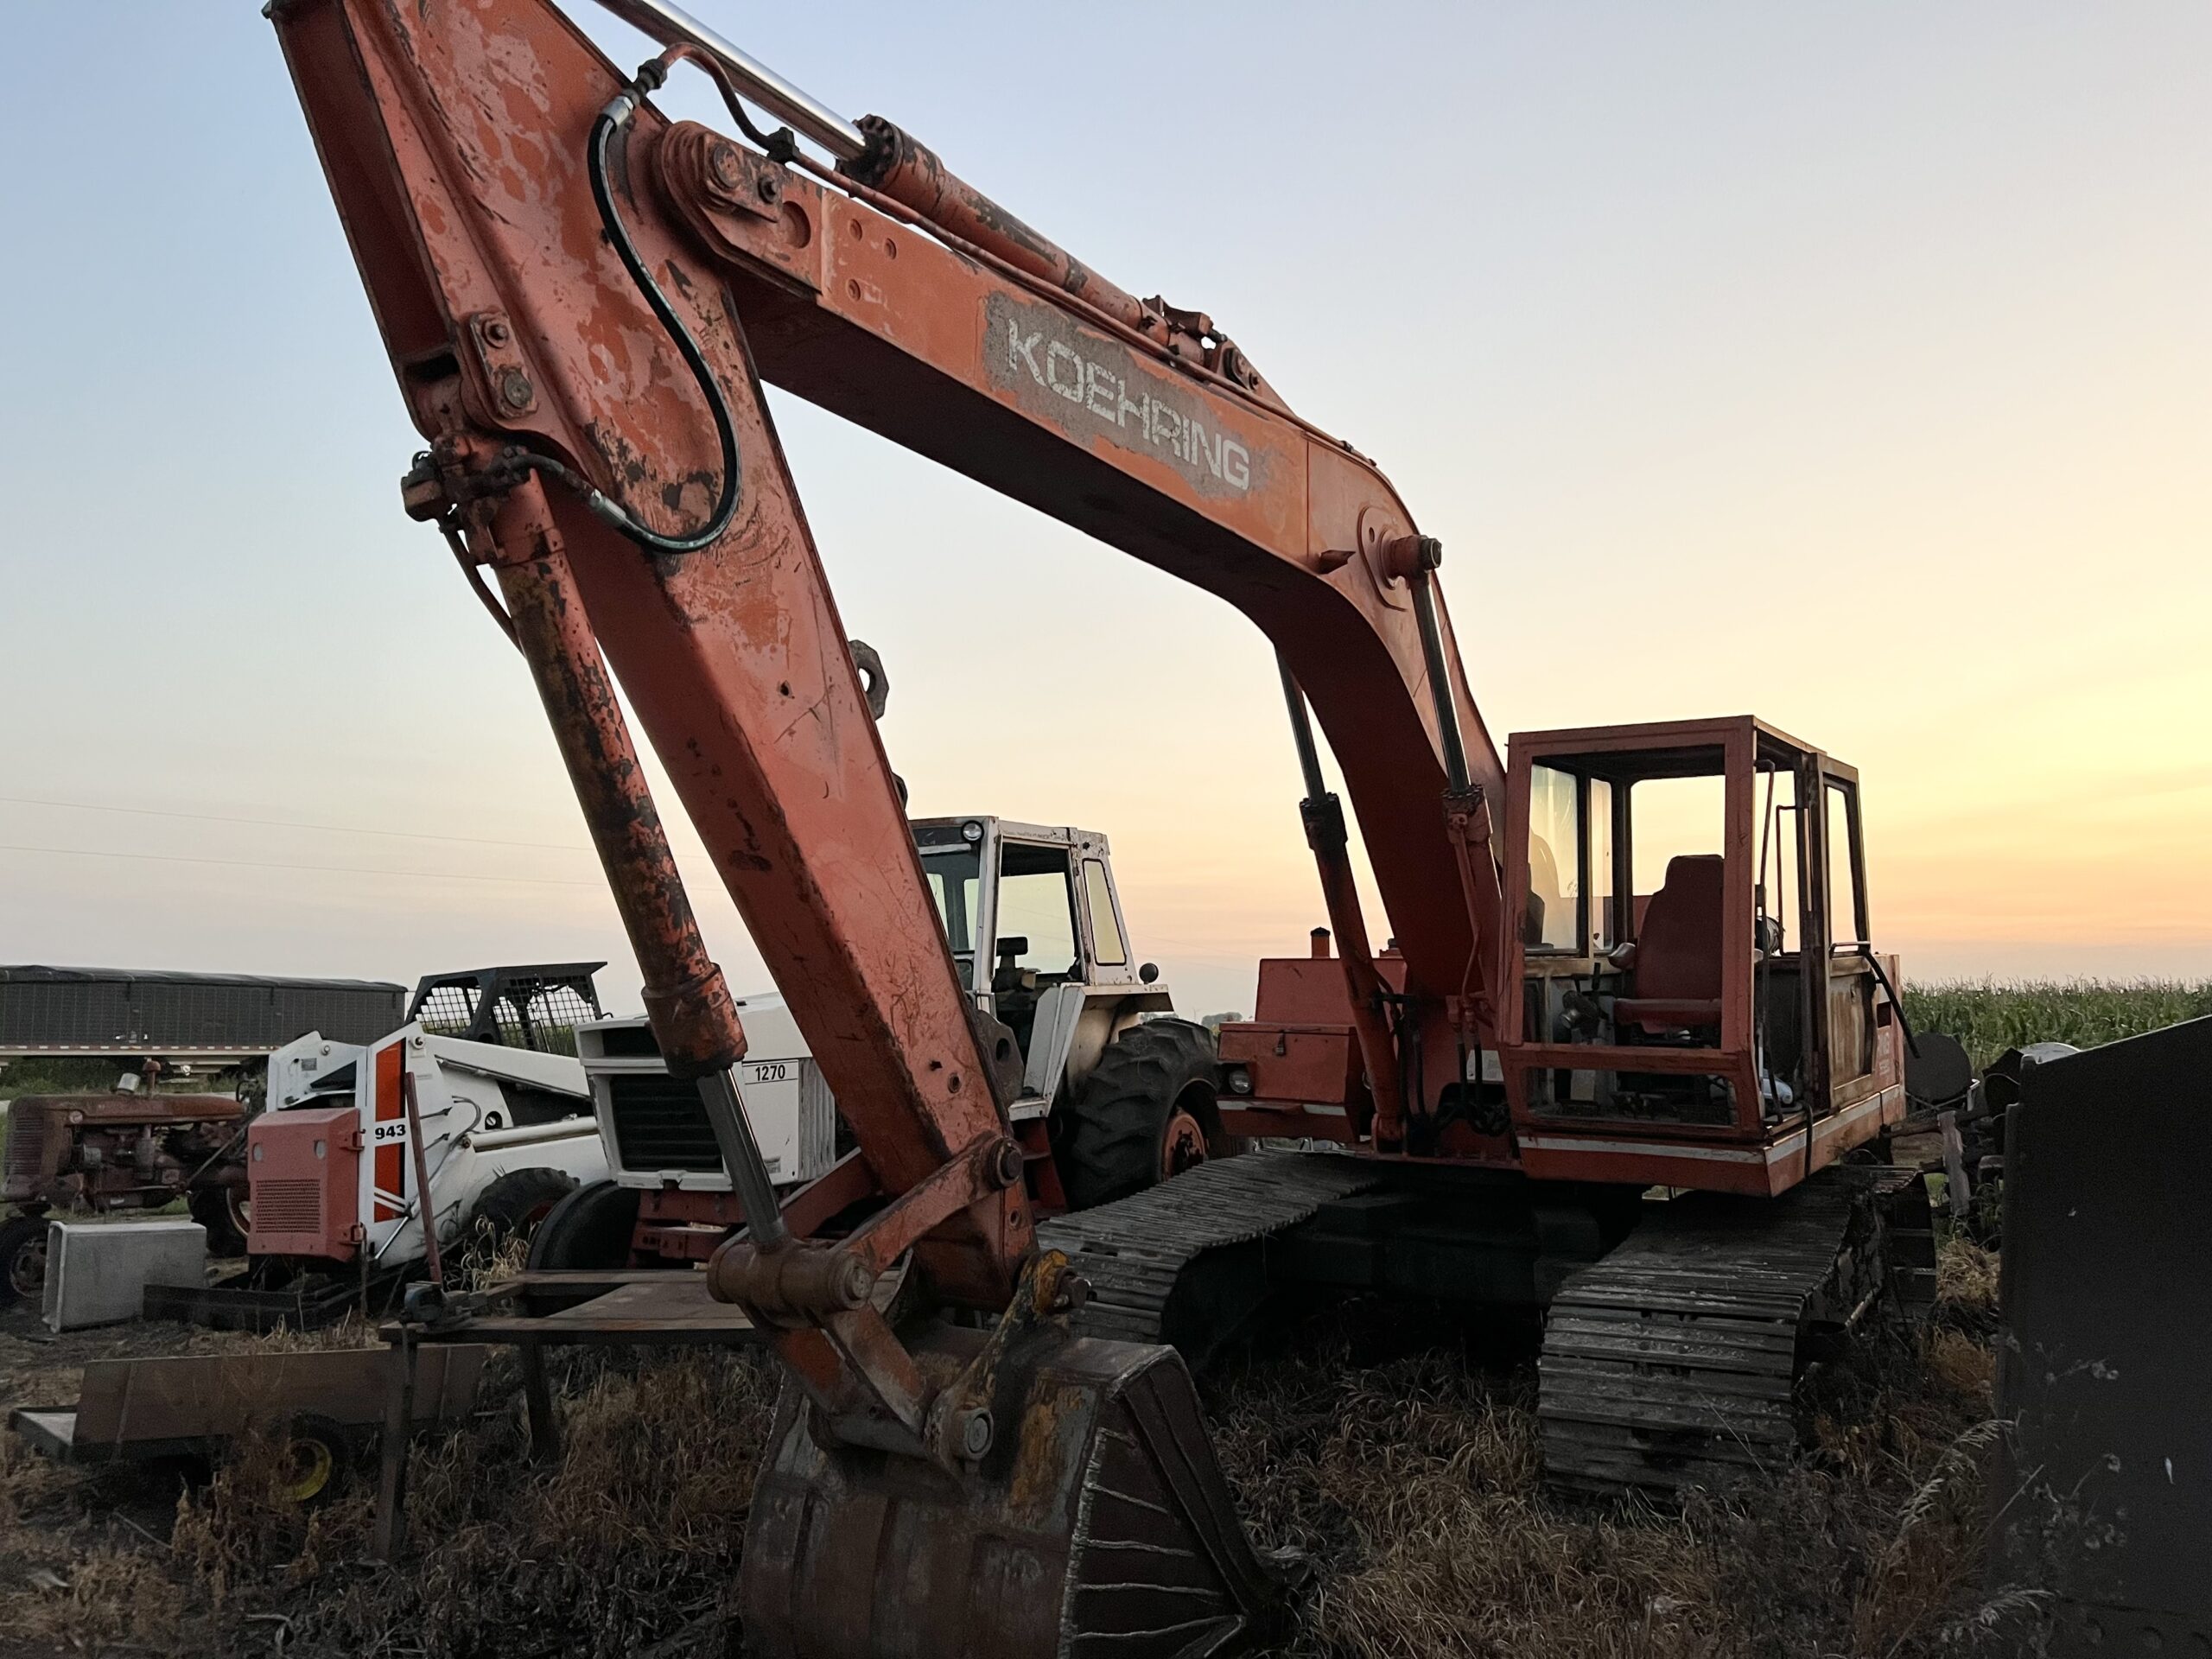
160,1407
733,658
302,1168
75,1152
910,174
839,1346
2104,1498
694,1018
691,1224
992,1165
1096,1524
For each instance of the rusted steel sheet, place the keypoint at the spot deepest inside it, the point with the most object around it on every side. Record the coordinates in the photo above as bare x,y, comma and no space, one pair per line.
143,1407
2105,1496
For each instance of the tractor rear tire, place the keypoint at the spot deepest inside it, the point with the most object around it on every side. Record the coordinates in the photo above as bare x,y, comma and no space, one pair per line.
23,1259
518,1203
1146,1111
590,1228
222,1210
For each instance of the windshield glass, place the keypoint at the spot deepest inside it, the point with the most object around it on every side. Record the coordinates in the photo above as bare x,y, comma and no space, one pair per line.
1037,904
952,873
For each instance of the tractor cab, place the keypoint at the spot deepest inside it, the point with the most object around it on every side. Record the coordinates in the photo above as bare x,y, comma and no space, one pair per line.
1035,925
1691,996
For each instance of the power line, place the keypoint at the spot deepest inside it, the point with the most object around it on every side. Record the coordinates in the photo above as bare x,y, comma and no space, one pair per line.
284,823
327,869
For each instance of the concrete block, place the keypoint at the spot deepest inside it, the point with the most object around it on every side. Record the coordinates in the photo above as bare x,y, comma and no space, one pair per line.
97,1272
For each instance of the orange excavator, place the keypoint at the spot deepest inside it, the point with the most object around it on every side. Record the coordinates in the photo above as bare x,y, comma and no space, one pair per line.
1583,1004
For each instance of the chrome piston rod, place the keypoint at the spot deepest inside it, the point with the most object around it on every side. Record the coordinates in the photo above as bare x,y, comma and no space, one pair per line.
807,116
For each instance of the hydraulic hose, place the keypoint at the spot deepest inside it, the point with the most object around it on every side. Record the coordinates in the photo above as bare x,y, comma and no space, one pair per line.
615,118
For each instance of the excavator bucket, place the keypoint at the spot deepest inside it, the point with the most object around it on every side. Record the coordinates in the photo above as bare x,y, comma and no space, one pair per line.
1097,1523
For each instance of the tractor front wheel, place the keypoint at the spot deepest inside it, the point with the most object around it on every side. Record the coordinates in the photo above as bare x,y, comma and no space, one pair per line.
590,1228
1148,1111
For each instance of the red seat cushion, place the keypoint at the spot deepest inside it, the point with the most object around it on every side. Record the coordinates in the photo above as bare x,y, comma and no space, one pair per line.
1676,974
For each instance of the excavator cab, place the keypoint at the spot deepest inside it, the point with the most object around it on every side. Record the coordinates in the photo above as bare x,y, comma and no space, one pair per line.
1692,997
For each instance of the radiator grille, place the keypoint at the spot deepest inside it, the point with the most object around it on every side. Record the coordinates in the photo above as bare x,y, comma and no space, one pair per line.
26,1128
659,1124
288,1206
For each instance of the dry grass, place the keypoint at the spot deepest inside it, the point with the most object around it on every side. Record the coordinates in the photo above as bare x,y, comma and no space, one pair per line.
1392,1465
631,1539
1407,1484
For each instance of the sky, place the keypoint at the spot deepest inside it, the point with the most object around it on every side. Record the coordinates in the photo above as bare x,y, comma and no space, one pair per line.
1847,366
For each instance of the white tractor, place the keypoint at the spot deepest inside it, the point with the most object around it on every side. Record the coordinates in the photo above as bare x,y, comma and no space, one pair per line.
1109,1093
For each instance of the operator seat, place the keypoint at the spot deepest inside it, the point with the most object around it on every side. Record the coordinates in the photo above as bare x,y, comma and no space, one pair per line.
1676,970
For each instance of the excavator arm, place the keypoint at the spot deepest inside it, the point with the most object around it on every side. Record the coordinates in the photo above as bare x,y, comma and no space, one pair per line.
581,301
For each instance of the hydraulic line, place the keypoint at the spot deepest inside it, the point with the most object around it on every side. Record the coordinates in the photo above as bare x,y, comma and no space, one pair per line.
614,118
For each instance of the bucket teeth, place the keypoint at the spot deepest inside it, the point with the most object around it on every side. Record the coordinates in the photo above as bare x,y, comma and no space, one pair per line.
1098,1525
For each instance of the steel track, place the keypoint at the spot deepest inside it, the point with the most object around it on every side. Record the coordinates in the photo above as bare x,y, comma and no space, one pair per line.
1155,1261
1672,1363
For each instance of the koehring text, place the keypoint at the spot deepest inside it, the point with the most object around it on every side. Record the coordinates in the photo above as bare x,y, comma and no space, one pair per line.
1037,352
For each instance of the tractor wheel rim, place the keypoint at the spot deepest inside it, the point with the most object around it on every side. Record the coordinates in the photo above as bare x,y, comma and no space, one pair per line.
1182,1146
308,1464
27,1268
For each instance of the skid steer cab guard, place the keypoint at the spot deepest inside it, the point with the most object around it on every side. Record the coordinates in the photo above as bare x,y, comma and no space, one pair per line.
1693,999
